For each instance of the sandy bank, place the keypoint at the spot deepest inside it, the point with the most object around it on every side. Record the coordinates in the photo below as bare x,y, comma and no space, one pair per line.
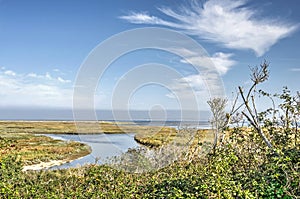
44,165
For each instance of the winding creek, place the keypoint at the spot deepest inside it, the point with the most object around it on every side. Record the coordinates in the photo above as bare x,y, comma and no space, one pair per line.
103,146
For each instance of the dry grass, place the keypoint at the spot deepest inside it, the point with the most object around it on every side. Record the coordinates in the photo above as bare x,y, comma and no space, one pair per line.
35,149
60,127
167,135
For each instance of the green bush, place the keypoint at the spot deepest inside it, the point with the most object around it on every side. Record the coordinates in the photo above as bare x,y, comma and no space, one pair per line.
219,175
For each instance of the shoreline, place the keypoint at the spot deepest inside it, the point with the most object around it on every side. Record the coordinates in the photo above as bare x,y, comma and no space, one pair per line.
44,165
43,128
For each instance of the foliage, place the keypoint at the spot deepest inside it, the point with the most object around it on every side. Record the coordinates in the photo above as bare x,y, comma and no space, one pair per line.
242,167
234,171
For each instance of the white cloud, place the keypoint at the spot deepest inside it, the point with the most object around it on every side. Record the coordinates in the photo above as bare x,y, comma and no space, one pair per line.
48,76
295,69
60,79
192,88
222,61
227,22
194,81
10,72
207,82
34,90
32,75
142,18
202,86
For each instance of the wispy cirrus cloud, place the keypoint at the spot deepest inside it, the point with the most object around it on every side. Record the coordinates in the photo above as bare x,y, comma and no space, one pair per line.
144,17
227,22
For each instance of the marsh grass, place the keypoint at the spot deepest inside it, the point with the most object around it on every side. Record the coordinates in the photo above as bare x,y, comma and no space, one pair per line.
163,148
33,149
84,127
184,136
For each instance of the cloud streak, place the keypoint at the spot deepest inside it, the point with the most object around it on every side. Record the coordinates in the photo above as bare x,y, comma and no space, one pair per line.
295,69
227,22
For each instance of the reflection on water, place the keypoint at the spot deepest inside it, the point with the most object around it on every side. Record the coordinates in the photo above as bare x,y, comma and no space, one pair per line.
103,146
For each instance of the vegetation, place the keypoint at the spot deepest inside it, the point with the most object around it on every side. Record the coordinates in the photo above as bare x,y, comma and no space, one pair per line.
241,168
33,149
24,139
219,120
259,158
172,136
60,127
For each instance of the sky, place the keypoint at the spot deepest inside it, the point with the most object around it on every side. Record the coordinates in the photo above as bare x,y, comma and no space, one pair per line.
44,44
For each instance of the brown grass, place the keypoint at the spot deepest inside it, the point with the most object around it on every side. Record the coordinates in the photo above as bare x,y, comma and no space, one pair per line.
35,149
59,127
167,135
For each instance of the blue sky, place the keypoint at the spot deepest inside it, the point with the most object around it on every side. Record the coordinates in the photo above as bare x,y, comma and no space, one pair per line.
44,43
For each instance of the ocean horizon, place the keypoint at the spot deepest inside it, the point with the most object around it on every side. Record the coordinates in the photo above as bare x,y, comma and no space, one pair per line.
137,116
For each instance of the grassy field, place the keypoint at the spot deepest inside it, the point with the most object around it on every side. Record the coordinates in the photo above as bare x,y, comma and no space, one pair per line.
60,127
33,149
170,135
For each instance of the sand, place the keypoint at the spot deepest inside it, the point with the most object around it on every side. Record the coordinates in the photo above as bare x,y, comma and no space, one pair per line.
44,165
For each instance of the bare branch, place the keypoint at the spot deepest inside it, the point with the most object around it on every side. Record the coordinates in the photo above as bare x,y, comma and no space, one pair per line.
261,74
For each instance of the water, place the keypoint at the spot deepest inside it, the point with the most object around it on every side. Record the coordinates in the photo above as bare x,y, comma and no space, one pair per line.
103,146
175,124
